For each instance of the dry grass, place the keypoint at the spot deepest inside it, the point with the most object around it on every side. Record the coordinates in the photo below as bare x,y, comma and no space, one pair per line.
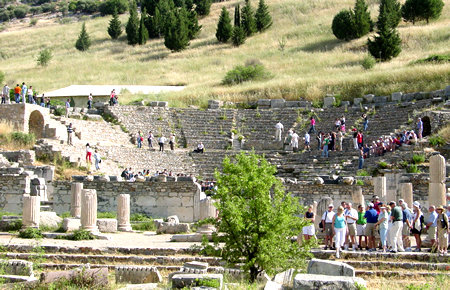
445,133
312,64
11,140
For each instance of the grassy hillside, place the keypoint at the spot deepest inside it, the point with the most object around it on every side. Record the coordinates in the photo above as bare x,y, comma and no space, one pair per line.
312,64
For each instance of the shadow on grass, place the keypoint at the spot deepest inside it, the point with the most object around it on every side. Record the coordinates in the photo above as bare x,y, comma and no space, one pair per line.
321,46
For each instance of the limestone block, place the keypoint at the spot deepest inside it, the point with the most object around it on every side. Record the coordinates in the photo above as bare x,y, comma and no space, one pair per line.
380,99
103,178
277,103
309,281
214,104
163,104
99,276
357,101
396,97
357,197
291,104
49,219
89,178
331,268
349,180
92,117
107,225
271,285
379,187
190,280
146,286
71,224
328,102
406,193
16,267
173,219
154,104
437,169
31,211
345,103
137,274
263,103
447,92
285,278
168,228
196,265
436,194
369,98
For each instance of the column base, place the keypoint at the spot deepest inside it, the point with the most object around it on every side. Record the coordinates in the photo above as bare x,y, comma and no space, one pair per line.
124,228
206,230
92,229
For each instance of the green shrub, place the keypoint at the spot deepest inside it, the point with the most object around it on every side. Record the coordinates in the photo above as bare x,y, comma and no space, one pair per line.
213,283
65,214
382,165
14,226
418,158
144,226
368,62
107,215
139,217
30,233
359,182
81,234
412,169
107,7
362,172
44,57
20,11
343,25
435,58
23,138
240,74
436,140
33,21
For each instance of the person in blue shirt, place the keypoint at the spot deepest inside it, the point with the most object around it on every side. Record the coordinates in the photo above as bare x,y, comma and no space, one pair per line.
407,226
431,226
419,128
371,216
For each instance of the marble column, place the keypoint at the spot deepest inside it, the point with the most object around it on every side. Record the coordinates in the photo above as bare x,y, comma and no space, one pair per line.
75,205
358,197
123,213
315,204
392,186
436,189
31,211
207,210
322,206
89,210
379,188
406,192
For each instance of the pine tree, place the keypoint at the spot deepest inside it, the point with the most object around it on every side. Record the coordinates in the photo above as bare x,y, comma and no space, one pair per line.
132,28
392,13
343,25
431,9
150,6
193,26
224,28
363,23
143,32
83,42
115,26
387,44
248,19
176,35
237,15
153,24
203,7
238,37
262,17
411,11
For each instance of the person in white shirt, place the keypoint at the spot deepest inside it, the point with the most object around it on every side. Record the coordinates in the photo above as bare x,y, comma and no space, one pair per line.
279,128
351,216
172,141
30,95
5,95
200,148
161,142
327,220
294,141
307,141
97,159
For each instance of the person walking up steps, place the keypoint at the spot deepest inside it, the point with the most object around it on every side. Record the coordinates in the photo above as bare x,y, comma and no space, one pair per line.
97,159
294,141
161,142
139,139
5,94
88,154
67,108
172,141
279,128
366,121
312,122
150,140
307,141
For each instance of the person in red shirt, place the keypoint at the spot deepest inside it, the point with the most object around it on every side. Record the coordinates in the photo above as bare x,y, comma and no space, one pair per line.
377,204
360,139
17,91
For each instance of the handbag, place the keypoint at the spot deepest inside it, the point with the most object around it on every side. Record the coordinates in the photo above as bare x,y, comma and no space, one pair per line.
321,224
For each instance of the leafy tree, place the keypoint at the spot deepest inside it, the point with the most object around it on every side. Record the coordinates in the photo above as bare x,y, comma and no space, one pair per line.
132,28
257,217
391,11
363,23
248,19
83,42
237,15
224,28
44,57
431,9
262,16
203,7
109,6
115,26
193,26
176,35
143,32
343,25
411,11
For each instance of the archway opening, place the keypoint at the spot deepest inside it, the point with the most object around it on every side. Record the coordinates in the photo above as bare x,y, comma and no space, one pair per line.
36,124
426,126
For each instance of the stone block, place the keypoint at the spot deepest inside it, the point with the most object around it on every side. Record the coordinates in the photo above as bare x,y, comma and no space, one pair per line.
8,223
396,97
331,268
17,267
71,224
137,274
169,228
309,282
285,278
357,101
185,178
99,276
368,98
263,103
291,104
49,219
191,280
318,180
214,104
345,104
38,181
328,102
437,100
196,265
163,104
436,194
380,99
92,117
447,92
438,172
146,286
407,97
104,178
107,225
349,180
154,104
277,103
271,285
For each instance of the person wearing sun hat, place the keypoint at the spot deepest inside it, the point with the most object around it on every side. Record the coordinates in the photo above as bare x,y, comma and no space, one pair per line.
418,220
442,230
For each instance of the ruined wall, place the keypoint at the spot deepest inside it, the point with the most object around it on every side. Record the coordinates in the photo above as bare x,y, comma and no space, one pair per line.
14,182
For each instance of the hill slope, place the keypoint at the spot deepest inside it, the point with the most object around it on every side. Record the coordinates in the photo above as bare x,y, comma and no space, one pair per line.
312,64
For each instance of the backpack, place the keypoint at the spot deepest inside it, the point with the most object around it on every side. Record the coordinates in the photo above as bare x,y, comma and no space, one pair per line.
321,224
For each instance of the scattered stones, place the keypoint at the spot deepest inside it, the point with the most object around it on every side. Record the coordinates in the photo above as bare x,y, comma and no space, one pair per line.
285,278
215,104
357,101
277,103
328,102
310,281
396,97
49,219
332,268
173,219
192,280
369,98
171,228
17,267
137,274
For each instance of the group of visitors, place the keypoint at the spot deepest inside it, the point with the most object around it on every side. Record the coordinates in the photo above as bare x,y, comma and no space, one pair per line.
96,156
207,186
23,94
151,138
113,98
128,174
393,223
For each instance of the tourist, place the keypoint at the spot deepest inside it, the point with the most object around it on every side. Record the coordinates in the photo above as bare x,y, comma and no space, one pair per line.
431,227
448,214
319,139
30,95
442,230
48,103
417,225
419,128
139,139
371,216
35,98
307,141
332,142
98,160
288,138
67,107
361,158
24,92
42,101
161,142
89,102
312,129
355,138
383,227
124,174
5,94
395,233
17,91
200,148
279,128
112,97
309,231
327,220
339,227
343,124
88,154
150,140
172,141
360,139
337,124
361,226
407,225
340,139
351,216
366,121
377,203
294,141
326,142
69,134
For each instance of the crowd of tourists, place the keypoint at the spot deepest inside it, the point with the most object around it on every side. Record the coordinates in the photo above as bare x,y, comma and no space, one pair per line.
162,141
23,94
392,223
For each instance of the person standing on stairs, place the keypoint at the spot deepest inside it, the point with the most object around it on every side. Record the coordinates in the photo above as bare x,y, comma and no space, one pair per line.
150,140
294,141
431,227
307,141
24,92
279,128
339,227
327,219
417,225
351,216
90,99
67,108
161,142
395,234
326,141
442,230
69,134
172,141
419,128
98,160
312,122
139,139
355,138
366,121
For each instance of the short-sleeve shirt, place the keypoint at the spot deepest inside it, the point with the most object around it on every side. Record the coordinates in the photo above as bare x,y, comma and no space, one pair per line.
433,218
328,217
361,219
309,215
407,215
397,214
384,224
352,213
372,216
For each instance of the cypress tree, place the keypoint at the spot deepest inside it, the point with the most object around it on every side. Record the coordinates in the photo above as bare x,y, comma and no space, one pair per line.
262,16
193,26
83,42
431,9
176,35
115,26
132,28
224,28
237,15
150,6
391,11
143,32
238,36
203,7
248,19
362,21
411,11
